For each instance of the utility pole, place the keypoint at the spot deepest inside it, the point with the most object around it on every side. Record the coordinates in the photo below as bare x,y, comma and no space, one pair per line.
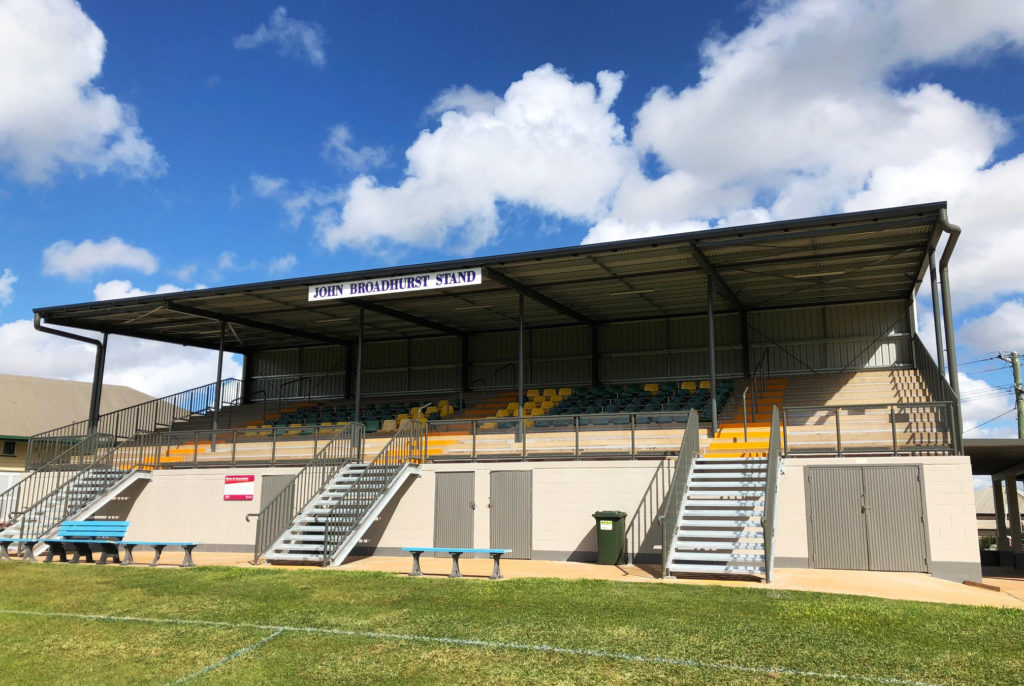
1018,390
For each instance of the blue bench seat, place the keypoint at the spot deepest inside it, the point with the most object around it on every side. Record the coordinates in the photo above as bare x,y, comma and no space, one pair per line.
495,554
81,538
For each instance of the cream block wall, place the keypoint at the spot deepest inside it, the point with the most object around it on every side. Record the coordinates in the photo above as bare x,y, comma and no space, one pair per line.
949,509
189,505
565,496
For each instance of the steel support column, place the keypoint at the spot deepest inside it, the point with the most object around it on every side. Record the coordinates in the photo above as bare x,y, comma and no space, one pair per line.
1013,509
97,385
936,316
521,317
711,353
217,391
947,316
356,416
999,501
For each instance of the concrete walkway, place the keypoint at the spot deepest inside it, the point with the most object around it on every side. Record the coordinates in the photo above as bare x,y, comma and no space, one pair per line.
891,585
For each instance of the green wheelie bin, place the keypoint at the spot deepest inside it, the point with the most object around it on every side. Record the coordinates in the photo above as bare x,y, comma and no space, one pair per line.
611,537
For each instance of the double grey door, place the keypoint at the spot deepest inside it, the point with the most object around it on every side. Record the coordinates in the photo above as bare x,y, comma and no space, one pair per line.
866,518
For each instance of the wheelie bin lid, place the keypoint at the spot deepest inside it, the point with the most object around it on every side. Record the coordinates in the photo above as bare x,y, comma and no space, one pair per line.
610,514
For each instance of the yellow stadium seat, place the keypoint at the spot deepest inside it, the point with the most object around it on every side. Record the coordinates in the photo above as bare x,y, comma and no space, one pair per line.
532,393
705,384
550,391
442,403
401,417
489,425
512,406
547,406
688,385
388,425
536,412
651,387
502,413
565,392
557,399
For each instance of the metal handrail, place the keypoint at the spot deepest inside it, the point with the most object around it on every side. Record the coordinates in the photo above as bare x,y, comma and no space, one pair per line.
894,448
45,479
745,412
761,373
140,418
407,446
58,505
688,449
771,495
276,516
939,387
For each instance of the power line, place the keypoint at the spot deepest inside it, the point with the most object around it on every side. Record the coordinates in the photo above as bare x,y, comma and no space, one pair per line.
991,420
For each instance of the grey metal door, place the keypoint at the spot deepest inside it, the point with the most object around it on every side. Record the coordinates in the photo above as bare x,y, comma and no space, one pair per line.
271,486
512,512
836,535
895,519
866,518
453,510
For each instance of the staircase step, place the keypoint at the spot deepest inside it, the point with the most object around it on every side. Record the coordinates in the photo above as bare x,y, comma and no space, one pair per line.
731,534
683,557
751,476
723,524
688,512
712,568
716,545
737,483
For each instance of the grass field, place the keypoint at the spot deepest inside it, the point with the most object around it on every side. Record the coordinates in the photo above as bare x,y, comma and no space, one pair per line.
88,624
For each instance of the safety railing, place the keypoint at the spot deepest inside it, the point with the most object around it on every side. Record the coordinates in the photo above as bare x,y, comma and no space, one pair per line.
563,437
771,495
276,516
669,518
406,447
81,488
872,429
76,456
938,387
130,421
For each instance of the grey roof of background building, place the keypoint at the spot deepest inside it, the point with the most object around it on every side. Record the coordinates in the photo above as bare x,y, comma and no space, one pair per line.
984,503
30,404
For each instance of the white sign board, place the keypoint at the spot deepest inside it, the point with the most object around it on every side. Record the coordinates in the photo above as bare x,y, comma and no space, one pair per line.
424,281
239,487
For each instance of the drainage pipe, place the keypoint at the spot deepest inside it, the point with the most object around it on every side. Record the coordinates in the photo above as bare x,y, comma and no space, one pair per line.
97,374
947,310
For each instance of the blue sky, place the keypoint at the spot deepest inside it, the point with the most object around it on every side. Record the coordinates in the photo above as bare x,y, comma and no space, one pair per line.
149,147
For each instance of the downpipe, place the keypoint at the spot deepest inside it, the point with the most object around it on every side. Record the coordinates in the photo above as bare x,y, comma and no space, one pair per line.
97,375
947,310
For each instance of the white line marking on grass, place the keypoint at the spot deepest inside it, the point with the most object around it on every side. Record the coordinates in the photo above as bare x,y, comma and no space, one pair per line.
477,643
224,660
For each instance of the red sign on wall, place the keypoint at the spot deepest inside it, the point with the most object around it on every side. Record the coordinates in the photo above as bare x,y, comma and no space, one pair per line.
239,487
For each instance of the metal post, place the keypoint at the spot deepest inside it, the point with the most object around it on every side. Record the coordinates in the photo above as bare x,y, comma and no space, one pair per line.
892,423
745,342
97,384
195,449
217,392
1002,533
1013,509
711,353
839,435
521,425
937,318
632,436
473,457
356,416
576,433
785,432
1018,392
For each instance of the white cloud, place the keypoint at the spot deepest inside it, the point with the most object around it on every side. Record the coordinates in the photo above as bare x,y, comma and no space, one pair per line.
51,114
1002,329
185,273
551,144
982,402
113,290
465,99
155,368
7,281
282,264
226,260
266,186
77,262
337,149
292,37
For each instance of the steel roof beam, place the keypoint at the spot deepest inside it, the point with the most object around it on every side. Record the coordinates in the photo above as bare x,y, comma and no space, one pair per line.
252,323
538,297
408,318
720,285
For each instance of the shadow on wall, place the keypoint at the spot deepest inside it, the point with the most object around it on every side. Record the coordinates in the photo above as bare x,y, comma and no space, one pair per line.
119,508
371,539
643,531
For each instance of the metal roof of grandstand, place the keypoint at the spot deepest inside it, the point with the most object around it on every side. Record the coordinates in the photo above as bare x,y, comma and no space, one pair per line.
843,258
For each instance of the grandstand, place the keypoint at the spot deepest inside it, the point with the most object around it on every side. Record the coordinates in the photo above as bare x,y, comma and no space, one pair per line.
750,397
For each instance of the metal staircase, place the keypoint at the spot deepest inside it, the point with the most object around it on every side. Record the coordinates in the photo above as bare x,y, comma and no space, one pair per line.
72,487
722,512
332,523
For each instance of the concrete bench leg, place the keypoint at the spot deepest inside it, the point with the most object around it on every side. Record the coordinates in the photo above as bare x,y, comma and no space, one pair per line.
455,566
108,551
496,574
27,552
188,556
128,559
416,564
157,552
4,555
